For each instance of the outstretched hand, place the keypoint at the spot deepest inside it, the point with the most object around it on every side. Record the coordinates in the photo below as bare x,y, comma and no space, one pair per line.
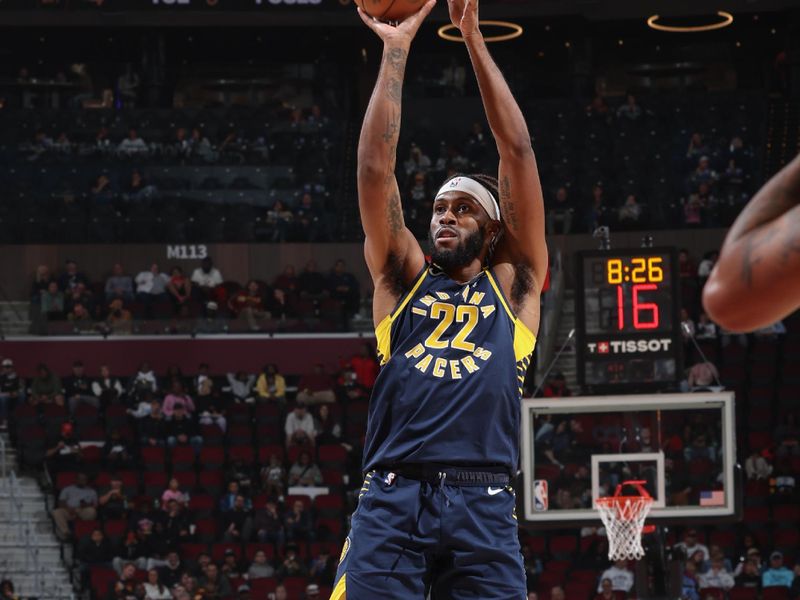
464,15
404,31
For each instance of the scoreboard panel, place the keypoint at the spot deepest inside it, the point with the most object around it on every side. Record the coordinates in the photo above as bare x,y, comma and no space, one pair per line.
628,320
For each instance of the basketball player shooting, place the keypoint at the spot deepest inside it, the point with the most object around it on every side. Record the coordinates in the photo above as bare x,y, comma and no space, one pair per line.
455,338
756,280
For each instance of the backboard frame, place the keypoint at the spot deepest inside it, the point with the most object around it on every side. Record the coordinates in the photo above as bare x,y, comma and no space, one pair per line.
732,478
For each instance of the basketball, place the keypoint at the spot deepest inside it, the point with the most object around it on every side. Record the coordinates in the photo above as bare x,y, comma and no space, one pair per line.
390,10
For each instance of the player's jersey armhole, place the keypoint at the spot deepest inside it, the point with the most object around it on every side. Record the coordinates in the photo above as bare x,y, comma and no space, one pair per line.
383,332
524,338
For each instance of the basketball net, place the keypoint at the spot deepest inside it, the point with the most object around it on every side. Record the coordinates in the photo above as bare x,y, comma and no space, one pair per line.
623,517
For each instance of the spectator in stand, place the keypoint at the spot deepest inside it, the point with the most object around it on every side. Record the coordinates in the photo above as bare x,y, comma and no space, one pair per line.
119,285
560,212
630,110
230,566
365,366
794,591
311,284
41,281
113,503
78,295
700,449
702,376
703,173
207,278
706,329
323,567
137,189
270,384
287,282
71,276
787,437
126,587
417,162
145,380
132,145
236,522
298,523
312,592
273,477
116,452
690,545
689,584
228,500
151,286
260,567
154,588
141,547
299,427
93,551
344,287
697,148
717,576
178,396
556,387
706,265
756,466
292,565
327,429
65,455
630,213
76,501
175,526
80,318
179,288
316,388
777,574
621,577
268,524
106,388
12,390
120,319
182,429
279,221
46,387
304,472
248,304
173,492
557,593
597,214
212,577
51,302
280,593
605,590
172,571
102,193
153,428
750,575
241,386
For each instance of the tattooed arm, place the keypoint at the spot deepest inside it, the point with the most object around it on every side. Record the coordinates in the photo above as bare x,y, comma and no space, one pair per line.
393,255
757,278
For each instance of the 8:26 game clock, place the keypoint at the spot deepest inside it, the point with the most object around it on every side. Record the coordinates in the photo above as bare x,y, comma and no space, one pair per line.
627,315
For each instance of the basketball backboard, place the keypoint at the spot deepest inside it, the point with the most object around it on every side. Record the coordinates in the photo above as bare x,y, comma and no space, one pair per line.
575,450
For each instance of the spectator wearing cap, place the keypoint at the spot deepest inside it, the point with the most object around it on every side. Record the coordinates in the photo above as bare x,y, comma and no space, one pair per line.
230,566
65,454
76,501
12,390
690,545
77,388
260,567
71,276
176,396
271,385
299,427
777,574
312,592
119,285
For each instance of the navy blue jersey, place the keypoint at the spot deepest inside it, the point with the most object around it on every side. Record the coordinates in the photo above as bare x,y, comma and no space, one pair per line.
453,360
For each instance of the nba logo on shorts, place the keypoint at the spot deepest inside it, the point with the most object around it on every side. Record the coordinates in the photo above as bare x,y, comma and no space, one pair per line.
540,498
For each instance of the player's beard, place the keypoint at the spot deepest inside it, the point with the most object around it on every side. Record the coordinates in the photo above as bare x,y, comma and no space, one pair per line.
460,256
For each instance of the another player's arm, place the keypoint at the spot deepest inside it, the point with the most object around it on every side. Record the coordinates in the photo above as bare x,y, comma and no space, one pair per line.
390,248
521,201
757,278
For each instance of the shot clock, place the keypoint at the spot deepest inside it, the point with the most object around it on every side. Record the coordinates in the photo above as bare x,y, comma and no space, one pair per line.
627,317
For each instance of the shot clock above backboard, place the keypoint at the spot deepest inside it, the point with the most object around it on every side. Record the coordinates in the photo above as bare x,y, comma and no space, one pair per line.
628,325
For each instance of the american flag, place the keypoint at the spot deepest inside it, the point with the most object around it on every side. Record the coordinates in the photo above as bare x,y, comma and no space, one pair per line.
714,498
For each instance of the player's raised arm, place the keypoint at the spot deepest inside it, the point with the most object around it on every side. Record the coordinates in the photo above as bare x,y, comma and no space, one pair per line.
391,250
521,201
757,278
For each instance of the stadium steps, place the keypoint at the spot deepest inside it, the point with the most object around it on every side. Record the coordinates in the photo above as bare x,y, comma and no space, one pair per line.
14,318
783,134
38,570
566,362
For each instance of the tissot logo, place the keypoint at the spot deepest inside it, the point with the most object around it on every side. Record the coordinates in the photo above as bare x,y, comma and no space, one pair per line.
629,346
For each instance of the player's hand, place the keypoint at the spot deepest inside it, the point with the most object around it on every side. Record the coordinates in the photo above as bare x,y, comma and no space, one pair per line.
403,32
464,15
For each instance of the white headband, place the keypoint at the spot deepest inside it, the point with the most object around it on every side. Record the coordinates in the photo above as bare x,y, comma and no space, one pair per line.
476,191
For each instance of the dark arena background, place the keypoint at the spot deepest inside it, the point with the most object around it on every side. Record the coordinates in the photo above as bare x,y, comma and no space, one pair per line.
186,327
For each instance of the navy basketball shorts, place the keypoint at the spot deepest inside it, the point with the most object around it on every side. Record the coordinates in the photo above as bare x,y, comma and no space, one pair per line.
412,537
